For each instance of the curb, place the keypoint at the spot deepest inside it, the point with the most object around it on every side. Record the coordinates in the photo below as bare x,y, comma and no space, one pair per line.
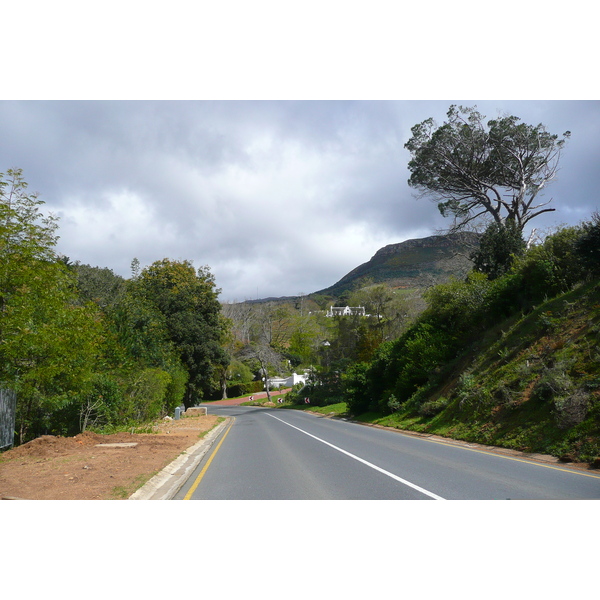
499,450
165,484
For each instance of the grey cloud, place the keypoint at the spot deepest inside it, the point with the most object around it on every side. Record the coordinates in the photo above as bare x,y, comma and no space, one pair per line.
284,196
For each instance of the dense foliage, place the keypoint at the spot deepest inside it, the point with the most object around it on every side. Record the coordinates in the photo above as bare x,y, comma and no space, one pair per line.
498,247
405,373
492,170
48,341
83,347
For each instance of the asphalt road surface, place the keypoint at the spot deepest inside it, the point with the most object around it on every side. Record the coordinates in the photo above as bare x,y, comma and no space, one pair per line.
274,454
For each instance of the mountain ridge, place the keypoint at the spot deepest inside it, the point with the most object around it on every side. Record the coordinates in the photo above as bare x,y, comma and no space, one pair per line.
414,263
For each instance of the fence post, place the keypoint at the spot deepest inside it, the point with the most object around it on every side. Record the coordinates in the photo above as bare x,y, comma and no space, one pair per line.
8,413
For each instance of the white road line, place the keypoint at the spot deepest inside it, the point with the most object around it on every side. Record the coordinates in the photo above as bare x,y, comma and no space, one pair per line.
362,460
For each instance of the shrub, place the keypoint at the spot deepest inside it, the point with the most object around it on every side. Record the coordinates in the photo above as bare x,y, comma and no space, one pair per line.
553,382
471,394
433,407
498,247
325,387
97,406
458,307
145,396
393,403
587,246
424,348
242,389
356,388
572,409
552,267
176,387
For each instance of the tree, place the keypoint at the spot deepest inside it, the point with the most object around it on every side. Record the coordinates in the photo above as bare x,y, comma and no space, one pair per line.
99,285
498,247
241,316
26,235
266,357
188,299
476,172
588,245
48,343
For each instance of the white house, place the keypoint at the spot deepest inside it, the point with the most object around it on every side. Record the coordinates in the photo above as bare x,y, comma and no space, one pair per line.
345,311
291,381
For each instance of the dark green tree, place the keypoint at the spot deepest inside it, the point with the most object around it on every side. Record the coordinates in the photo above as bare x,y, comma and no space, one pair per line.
500,244
588,245
49,343
99,285
188,300
476,171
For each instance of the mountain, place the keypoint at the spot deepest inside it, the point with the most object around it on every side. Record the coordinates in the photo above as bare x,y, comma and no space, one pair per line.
417,263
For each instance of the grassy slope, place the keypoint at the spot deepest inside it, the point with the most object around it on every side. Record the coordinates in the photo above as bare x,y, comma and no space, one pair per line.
532,384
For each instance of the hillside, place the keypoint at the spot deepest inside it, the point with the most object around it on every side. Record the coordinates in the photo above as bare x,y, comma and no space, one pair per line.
417,263
413,264
532,383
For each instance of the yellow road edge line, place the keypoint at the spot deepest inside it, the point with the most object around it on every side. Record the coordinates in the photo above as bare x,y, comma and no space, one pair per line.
526,461
202,473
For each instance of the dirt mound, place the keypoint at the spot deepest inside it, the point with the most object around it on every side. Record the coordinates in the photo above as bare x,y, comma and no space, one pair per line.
76,468
48,445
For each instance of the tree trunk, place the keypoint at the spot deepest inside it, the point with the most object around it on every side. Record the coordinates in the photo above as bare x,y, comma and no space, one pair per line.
224,385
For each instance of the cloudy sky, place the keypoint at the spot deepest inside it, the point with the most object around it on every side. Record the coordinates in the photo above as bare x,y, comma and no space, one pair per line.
276,197
284,196
265,139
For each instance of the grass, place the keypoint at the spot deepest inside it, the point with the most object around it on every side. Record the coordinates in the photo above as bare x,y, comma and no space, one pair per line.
122,492
530,383
203,433
263,401
339,409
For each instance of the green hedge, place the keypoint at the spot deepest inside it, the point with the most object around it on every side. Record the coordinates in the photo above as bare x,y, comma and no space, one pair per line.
241,389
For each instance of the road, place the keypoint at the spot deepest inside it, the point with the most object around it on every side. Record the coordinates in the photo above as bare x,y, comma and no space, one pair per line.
274,454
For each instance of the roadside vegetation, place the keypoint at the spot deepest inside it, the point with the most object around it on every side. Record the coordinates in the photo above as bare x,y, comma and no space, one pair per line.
86,349
507,354
512,361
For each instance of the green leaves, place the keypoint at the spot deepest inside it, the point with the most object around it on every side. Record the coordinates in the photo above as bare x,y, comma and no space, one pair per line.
499,246
470,168
82,346
188,301
48,342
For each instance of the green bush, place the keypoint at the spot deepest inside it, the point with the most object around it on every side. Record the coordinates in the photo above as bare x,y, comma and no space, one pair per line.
587,246
424,349
144,397
393,403
550,268
101,405
498,247
242,389
176,387
433,407
459,307
355,388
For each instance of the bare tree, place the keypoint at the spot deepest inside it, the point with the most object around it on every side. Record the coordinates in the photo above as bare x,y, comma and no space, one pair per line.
265,356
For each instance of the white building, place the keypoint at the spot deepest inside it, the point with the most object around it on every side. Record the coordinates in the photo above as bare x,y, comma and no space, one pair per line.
345,311
291,381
